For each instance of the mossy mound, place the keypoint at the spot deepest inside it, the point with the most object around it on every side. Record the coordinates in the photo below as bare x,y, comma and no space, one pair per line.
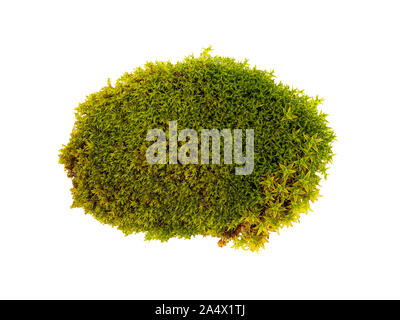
106,154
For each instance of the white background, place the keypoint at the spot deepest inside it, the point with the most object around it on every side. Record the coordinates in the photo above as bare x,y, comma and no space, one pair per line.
54,53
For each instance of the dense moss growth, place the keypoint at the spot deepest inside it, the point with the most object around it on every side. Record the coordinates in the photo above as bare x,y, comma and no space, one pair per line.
106,154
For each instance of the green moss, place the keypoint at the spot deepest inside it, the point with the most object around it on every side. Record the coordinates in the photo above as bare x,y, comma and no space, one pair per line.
105,157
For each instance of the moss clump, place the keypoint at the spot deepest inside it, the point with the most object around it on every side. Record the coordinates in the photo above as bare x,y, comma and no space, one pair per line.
106,154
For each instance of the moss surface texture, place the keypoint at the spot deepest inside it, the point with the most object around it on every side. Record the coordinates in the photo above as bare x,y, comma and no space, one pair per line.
106,154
